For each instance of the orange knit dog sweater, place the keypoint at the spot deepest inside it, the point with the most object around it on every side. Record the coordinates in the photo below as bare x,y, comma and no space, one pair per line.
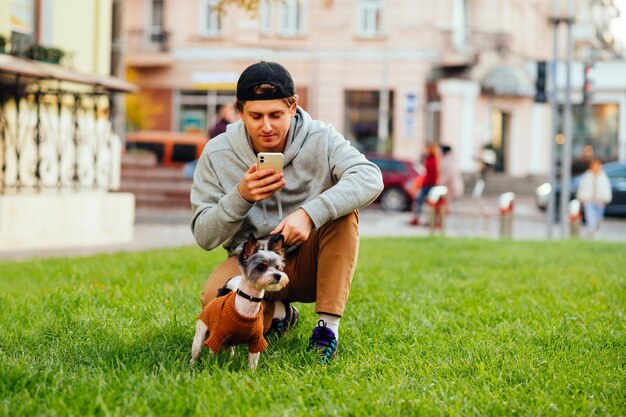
228,327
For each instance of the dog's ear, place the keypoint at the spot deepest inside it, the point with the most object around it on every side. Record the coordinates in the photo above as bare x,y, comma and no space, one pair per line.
249,248
277,244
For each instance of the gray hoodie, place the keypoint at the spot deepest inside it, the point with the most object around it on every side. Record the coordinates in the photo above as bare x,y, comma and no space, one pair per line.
324,175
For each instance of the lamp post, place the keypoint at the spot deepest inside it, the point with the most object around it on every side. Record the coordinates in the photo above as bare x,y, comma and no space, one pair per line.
566,157
555,20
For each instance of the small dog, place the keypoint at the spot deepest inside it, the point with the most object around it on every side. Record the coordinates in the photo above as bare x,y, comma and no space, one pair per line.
237,317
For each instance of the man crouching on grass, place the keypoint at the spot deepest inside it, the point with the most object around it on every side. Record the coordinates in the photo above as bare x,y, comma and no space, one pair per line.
314,203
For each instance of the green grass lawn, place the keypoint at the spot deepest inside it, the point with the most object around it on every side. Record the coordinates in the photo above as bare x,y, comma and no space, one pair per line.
433,327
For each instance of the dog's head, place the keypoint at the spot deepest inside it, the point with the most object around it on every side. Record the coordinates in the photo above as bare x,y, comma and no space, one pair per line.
264,268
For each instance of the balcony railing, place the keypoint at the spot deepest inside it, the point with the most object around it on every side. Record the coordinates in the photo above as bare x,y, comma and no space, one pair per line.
140,40
495,41
57,140
475,41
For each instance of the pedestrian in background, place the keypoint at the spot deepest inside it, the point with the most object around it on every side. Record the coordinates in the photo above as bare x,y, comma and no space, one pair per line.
487,160
225,116
450,175
431,176
594,192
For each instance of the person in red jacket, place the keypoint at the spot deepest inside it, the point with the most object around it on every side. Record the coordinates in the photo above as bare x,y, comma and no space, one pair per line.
431,165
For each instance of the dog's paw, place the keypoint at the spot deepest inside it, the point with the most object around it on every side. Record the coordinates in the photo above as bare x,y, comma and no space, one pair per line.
231,351
253,360
192,361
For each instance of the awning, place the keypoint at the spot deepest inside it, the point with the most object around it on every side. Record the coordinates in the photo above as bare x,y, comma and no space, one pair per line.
13,65
507,81
112,83
31,71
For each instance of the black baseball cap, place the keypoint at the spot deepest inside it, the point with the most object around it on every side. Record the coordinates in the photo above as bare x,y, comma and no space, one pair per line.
265,73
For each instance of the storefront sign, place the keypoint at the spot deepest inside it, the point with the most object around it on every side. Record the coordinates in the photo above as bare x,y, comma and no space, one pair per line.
411,103
226,80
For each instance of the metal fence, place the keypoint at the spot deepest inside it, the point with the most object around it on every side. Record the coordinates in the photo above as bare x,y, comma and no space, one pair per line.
57,140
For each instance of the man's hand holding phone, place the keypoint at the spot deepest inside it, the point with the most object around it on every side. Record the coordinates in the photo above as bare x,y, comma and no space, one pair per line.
262,179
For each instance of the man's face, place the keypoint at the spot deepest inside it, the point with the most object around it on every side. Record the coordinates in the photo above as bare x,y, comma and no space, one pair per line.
267,123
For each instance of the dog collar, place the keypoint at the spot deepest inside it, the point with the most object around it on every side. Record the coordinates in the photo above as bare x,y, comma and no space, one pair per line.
249,297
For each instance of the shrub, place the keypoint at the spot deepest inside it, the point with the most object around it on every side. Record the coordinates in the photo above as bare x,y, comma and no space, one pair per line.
44,54
3,43
54,55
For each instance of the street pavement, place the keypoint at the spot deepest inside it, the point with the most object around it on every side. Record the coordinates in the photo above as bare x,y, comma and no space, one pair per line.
480,218
468,218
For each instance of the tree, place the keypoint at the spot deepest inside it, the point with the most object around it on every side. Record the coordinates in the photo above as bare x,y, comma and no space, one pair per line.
250,5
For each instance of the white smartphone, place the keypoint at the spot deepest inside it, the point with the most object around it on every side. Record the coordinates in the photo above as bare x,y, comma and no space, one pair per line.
270,160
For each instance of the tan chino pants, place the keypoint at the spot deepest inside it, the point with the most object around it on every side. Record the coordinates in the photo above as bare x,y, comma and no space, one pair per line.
320,271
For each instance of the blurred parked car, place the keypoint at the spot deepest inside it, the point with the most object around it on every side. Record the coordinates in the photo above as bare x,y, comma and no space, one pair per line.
171,148
399,178
616,171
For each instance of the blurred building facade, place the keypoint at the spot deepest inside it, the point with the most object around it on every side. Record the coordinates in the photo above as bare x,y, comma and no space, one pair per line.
60,159
82,29
390,75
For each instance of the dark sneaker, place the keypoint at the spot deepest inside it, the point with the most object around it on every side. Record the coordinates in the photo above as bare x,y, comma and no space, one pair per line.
324,341
279,326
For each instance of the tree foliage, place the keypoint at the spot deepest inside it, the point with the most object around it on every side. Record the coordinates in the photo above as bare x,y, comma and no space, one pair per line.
250,5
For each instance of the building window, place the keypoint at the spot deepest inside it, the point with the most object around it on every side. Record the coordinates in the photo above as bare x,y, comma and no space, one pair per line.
595,133
198,109
265,16
210,18
157,15
157,25
369,18
363,117
290,17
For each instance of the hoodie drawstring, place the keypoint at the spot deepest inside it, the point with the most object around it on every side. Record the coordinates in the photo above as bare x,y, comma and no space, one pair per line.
280,206
280,209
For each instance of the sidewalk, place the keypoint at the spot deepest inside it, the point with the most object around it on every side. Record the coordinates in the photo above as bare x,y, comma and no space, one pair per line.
468,218
480,219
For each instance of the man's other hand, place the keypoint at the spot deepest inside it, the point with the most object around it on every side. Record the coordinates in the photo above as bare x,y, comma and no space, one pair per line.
296,227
